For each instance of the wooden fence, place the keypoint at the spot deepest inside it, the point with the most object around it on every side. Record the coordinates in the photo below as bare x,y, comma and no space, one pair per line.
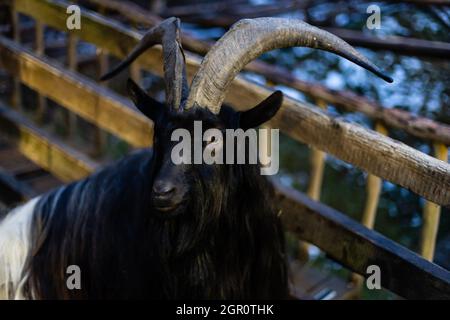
348,242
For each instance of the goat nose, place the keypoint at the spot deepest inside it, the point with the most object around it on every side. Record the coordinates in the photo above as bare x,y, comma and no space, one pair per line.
163,189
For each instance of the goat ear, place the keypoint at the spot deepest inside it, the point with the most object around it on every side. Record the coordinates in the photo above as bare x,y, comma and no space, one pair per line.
150,107
263,112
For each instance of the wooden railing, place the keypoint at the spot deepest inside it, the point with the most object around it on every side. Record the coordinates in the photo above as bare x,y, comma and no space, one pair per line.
346,241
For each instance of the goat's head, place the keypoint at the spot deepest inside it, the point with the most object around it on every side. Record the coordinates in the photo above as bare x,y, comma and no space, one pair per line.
244,42
173,180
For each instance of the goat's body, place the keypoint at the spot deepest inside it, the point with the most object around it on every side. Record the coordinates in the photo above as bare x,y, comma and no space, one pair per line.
15,244
105,224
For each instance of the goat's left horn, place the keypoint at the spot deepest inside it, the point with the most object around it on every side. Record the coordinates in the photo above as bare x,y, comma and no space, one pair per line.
248,39
167,33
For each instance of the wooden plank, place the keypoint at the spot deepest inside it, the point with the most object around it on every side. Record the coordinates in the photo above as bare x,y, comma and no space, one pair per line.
349,101
14,162
99,136
25,172
398,44
382,156
431,214
225,19
309,283
138,14
40,51
303,279
86,98
72,55
43,149
356,247
317,160
105,33
39,45
402,45
373,189
370,151
16,97
72,64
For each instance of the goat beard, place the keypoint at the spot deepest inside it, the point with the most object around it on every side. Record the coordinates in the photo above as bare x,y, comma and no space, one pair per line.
218,242
196,226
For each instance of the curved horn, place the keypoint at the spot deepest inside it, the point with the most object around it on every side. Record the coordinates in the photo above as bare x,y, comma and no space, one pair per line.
248,39
167,34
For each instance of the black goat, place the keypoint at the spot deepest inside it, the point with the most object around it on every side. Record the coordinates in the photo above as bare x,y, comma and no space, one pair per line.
147,228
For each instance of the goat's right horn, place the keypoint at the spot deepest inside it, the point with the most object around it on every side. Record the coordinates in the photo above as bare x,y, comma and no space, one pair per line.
166,33
248,39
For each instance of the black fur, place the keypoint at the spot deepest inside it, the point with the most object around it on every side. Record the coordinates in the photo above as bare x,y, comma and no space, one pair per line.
224,242
3,212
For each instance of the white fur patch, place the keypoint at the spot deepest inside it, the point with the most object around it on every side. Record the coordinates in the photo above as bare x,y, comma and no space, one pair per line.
14,248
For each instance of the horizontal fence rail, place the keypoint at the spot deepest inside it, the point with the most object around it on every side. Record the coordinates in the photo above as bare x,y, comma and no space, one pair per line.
357,247
48,152
77,93
364,148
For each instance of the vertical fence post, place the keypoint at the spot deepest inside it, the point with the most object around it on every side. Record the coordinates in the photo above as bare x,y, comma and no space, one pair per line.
72,64
100,135
16,98
72,52
40,51
373,190
317,161
431,214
